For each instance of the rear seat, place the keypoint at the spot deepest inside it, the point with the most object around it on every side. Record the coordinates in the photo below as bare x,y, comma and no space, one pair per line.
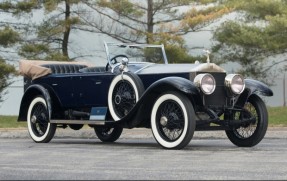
64,68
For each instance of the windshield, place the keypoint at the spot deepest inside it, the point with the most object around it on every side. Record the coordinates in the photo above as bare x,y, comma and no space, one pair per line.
137,52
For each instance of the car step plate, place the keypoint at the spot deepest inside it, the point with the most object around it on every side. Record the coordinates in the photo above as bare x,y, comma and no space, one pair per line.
97,117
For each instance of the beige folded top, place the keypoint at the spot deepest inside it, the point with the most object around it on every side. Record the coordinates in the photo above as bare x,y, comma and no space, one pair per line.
33,69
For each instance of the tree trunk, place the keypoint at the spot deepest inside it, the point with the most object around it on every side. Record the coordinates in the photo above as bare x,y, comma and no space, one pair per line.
67,30
149,21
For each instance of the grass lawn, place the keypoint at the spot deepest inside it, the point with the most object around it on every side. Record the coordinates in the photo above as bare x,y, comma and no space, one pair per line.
11,122
277,117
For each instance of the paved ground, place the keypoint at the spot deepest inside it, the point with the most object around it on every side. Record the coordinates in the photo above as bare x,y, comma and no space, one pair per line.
87,132
136,155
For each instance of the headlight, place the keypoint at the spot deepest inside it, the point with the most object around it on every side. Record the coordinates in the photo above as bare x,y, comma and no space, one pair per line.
205,82
235,83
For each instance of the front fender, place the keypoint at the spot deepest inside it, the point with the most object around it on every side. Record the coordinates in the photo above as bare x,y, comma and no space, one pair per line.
141,111
253,87
172,84
258,87
30,93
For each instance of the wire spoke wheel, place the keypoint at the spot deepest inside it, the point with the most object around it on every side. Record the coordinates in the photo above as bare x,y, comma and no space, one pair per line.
124,92
124,98
252,132
39,119
248,129
39,127
172,120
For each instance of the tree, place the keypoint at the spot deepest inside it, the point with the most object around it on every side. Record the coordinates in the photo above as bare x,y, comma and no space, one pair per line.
9,37
257,38
153,21
5,72
52,40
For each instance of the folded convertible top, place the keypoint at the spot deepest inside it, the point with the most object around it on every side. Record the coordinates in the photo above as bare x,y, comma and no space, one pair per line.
35,68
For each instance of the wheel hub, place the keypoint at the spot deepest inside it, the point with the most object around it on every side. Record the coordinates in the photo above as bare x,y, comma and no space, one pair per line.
163,121
118,99
34,119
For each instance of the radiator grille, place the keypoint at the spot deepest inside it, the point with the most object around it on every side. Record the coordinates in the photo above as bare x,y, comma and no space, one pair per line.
218,98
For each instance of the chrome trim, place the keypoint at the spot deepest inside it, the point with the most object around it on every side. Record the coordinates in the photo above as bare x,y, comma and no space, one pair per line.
91,122
228,83
198,82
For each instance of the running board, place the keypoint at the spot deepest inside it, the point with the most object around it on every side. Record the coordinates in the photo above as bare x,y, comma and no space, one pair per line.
90,122
97,117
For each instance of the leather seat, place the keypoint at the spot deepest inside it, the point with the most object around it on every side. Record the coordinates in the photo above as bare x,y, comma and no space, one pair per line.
64,68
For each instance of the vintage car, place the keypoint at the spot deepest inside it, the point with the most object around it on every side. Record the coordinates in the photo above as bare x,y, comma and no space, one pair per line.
139,88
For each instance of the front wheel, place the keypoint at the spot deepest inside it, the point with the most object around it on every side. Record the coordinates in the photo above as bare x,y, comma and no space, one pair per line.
250,134
39,127
108,133
172,120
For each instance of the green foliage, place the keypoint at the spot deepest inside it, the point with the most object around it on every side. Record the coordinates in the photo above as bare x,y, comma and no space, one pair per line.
260,35
196,19
6,71
8,37
41,52
262,8
160,22
122,7
18,7
52,34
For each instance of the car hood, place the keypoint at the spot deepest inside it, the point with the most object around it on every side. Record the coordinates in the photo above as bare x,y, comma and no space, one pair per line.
180,68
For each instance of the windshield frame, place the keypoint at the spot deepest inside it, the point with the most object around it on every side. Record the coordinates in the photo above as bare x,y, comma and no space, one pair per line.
107,44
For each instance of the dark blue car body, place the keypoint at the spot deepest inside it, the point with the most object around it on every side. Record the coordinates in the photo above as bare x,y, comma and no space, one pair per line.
128,95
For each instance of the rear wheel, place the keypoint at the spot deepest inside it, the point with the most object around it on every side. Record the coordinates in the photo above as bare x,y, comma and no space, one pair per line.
108,133
250,134
172,120
39,127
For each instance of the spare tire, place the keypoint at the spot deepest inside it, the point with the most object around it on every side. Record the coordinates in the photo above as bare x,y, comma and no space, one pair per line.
124,92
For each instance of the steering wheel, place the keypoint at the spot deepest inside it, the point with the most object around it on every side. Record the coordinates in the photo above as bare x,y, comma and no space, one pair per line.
114,61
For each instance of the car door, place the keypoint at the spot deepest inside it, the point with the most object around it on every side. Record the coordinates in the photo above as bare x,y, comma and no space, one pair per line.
91,89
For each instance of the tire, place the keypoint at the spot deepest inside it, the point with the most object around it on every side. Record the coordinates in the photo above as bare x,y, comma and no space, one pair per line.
251,134
124,92
108,134
173,115
40,130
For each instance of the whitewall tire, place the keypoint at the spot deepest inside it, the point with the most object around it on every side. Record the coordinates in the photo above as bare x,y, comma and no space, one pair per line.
172,120
40,130
124,92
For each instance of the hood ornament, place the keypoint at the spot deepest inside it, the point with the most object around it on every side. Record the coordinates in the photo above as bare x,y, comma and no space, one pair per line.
207,53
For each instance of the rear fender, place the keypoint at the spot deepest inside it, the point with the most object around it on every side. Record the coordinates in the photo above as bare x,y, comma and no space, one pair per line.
253,87
30,93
